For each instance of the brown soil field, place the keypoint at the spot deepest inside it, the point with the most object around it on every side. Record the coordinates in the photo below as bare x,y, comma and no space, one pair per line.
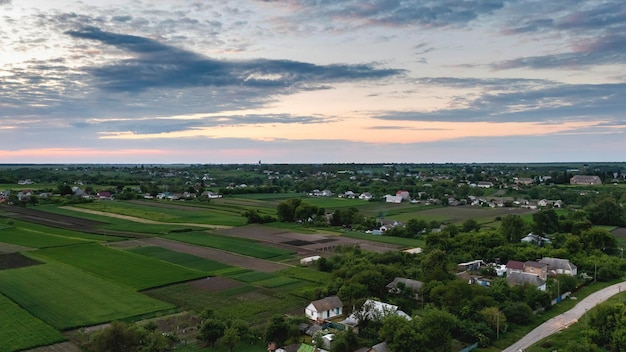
303,244
16,260
62,221
215,284
59,347
619,232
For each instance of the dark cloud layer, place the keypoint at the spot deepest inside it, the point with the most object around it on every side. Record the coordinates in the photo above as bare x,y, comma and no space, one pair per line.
157,65
525,101
595,33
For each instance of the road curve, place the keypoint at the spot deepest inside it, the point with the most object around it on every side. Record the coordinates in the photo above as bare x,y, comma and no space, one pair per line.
566,319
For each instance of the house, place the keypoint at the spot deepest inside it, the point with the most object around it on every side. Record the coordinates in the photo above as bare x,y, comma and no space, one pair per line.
416,250
473,279
393,199
484,184
349,194
535,239
536,268
585,180
472,265
396,285
517,278
373,310
365,196
558,266
523,180
514,266
381,347
403,194
210,195
324,308
310,260
104,195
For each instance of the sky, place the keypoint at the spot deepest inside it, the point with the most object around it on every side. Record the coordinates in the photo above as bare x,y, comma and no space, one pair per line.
312,81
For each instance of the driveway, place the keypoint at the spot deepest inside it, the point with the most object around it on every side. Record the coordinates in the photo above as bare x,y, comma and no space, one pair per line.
566,319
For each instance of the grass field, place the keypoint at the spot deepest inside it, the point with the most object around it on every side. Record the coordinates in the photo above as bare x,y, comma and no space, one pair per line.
134,270
231,244
159,212
20,330
252,304
62,232
187,260
307,274
32,238
65,297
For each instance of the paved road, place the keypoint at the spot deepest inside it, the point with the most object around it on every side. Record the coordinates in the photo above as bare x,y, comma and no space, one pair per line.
566,319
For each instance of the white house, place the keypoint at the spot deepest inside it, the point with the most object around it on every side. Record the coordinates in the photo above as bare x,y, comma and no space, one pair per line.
365,196
374,310
310,260
324,308
393,199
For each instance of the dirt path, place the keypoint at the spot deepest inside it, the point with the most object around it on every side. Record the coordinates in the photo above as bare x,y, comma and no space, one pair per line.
566,319
141,220
213,254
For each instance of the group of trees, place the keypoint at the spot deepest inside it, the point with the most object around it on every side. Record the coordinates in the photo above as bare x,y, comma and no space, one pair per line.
129,337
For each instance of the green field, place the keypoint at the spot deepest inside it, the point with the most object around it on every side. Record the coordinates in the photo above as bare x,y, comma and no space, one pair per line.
252,304
65,297
158,211
20,330
61,232
35,239
307,274
187,260
231,244
133,270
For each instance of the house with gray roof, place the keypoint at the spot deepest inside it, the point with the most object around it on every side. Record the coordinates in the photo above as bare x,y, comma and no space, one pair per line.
558,266
517,278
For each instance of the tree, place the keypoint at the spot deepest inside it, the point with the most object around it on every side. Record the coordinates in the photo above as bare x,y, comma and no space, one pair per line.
230,338
211,330
607,212
518,313
435,266
598,238
494,318
513,228
470,225
119,336
546,221
280,329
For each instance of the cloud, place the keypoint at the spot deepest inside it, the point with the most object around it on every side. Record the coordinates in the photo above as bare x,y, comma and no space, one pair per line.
604,50
5,2
397,13
510,100
157,65
141,126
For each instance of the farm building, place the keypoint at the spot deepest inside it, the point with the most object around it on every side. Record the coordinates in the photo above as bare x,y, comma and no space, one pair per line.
585,180
309,260
324,308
